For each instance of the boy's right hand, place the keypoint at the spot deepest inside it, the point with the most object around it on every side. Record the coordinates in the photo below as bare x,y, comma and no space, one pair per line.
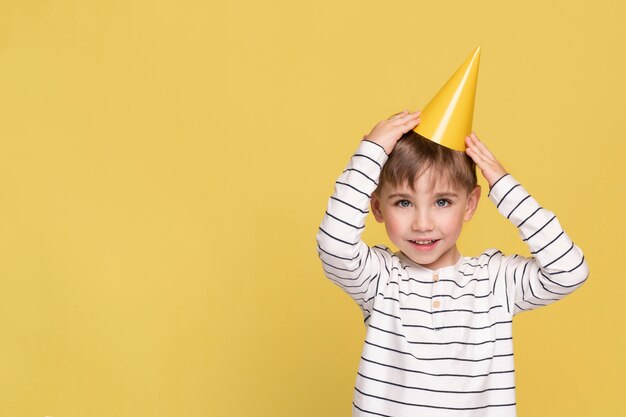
387,132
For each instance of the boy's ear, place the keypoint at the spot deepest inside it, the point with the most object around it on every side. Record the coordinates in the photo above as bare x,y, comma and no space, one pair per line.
375,203
472,203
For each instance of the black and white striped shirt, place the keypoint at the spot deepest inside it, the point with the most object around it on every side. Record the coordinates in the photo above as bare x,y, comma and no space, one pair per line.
439,343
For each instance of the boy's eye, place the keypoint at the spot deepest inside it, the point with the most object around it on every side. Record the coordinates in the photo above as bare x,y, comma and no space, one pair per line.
403,203
442,202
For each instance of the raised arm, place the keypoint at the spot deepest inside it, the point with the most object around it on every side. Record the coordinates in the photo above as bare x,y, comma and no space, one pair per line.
347,260
557,266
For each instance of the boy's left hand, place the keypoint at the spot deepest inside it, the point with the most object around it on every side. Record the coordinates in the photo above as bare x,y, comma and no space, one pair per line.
490,167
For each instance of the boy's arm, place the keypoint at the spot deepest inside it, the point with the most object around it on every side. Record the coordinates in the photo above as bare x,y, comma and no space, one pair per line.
557,267
348,261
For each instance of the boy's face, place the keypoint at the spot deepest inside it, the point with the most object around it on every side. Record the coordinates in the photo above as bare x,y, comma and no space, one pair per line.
425,223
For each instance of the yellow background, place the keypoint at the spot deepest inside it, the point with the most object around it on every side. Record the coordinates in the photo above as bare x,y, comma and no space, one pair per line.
164,166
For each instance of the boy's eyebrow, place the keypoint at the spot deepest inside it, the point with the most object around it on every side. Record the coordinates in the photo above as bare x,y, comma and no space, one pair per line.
437,195
403,195
446,194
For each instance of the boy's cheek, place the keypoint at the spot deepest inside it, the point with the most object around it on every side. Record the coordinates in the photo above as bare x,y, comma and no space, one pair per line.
393,226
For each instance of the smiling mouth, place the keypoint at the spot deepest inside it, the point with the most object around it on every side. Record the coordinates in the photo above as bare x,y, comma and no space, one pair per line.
424,242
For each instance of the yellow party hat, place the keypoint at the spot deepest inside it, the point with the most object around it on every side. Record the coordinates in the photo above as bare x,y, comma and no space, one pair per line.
447,119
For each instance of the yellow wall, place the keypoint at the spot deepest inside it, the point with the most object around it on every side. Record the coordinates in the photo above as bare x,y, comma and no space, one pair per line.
164,166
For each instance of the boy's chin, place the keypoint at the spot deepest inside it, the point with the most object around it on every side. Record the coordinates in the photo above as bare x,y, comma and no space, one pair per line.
432,260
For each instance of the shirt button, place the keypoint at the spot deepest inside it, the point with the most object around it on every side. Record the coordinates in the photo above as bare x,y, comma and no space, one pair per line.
436,304
435,277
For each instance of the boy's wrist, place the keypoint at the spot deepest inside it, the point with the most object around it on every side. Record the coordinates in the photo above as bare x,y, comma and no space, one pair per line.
376,143
501,186
501,177
374,152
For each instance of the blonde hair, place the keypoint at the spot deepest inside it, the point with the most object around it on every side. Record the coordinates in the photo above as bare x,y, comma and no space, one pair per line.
413,155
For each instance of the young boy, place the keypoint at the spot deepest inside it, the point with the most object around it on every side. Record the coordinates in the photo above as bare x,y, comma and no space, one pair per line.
439,325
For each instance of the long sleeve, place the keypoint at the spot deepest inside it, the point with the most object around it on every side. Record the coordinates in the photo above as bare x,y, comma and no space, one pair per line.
347,260
557,266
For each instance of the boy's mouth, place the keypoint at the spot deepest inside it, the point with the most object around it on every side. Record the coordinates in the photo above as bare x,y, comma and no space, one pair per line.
424,242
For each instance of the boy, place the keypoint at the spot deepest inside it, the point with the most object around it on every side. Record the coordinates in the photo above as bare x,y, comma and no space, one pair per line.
439,325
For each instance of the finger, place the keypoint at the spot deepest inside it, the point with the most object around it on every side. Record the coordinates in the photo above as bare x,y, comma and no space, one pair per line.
480,149
475,142
490,169
407,118
472,145
479,144
397,115
479,159
409,124
476,157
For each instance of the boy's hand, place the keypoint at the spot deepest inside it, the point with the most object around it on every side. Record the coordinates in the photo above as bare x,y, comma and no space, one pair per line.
490,167
387,132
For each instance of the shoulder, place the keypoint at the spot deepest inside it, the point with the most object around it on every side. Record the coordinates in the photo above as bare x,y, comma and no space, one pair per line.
489,260
384,253
492,263
391,262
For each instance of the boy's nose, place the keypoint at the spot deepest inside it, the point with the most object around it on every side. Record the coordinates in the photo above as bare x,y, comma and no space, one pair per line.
422,221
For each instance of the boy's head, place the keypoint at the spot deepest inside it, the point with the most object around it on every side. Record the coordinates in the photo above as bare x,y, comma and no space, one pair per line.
413,155
425,193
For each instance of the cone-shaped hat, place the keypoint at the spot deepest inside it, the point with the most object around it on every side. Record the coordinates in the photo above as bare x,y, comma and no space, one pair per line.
447,119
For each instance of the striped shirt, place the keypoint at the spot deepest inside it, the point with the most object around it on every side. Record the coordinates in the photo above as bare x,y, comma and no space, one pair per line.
439,342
